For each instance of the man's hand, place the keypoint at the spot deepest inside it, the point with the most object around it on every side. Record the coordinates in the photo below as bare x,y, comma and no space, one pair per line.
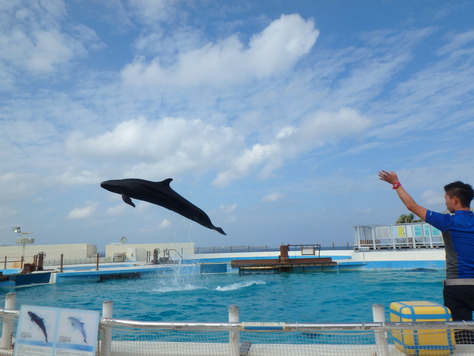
390,177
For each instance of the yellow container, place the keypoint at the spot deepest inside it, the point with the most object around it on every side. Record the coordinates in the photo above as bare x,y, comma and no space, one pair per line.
422,342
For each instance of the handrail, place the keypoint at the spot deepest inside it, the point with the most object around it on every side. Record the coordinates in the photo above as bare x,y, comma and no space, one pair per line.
10,312
302,327
111,322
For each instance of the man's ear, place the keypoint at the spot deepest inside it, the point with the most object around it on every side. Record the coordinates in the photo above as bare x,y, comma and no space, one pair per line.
456,201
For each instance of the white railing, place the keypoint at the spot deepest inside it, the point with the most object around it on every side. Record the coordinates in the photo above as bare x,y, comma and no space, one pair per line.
415,235
236,338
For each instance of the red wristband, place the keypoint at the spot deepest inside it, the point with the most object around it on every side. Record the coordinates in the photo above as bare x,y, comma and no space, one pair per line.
396,185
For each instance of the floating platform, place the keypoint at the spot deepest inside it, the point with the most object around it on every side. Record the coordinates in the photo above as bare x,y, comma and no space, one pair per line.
279,265
284,263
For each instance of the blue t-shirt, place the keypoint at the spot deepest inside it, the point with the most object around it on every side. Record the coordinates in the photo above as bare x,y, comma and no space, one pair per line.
458,235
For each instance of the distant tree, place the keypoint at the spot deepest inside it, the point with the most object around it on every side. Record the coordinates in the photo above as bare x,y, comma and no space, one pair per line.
407,219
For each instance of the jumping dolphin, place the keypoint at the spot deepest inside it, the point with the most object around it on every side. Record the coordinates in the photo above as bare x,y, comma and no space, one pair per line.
159,193
78,325
40,322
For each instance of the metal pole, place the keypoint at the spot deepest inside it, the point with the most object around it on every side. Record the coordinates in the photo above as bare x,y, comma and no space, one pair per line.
106,343
8,322
97,263
430,235
61,263
356,232
234,336
374,239
381,345
394,244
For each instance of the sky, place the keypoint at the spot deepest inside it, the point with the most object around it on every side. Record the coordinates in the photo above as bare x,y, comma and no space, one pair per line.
274,117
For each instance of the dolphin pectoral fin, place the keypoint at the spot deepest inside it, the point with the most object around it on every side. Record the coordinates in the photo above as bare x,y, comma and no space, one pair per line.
127,200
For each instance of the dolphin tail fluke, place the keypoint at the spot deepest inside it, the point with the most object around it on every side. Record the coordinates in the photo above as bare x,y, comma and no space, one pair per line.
218,229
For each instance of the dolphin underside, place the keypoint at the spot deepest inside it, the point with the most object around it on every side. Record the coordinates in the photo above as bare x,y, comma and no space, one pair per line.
159,193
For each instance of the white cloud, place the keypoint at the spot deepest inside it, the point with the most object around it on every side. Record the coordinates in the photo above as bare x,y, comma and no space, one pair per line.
272,197
34,35
258,155
164,224
274,50
152,11
456,42
281,44
46,49
15,185
116,210
227,209
433,198
329,127
71,177
6,212
158,148
83,212
365,211
316,130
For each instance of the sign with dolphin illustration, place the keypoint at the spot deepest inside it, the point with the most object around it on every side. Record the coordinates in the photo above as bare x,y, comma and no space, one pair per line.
47,331
40,323
159,193
79,326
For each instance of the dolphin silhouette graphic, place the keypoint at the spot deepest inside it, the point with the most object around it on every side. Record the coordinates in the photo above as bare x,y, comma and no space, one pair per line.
159,193
40,322
78,325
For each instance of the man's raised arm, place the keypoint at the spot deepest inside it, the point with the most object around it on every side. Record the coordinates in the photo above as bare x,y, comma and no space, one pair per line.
392,178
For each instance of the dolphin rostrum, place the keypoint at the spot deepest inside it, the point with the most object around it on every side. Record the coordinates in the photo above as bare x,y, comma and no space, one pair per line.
78,325
40,322
159,193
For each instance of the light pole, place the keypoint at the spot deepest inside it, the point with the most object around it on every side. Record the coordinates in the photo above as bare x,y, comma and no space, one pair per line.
23,241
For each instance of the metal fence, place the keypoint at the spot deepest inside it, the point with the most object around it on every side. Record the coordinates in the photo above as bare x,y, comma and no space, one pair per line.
235,338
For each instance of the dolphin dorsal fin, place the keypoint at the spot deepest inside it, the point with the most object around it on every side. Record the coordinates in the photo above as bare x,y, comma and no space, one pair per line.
167,181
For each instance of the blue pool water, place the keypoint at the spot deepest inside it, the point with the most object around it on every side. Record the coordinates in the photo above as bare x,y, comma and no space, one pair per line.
312,297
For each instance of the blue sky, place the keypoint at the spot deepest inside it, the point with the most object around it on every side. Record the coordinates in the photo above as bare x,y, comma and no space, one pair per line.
272,116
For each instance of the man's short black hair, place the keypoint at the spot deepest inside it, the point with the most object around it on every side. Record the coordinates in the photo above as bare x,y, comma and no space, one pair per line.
460,190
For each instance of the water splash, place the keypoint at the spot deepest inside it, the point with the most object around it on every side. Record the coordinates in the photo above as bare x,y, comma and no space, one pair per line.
179,280
240,285
176,288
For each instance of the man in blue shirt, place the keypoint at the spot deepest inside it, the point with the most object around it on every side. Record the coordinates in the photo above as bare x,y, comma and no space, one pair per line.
458,235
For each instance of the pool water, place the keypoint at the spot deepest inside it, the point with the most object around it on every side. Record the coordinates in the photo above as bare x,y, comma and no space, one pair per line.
312,297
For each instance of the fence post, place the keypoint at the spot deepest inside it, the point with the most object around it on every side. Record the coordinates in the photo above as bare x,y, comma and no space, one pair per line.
8,322
381,345
234,336
106,343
